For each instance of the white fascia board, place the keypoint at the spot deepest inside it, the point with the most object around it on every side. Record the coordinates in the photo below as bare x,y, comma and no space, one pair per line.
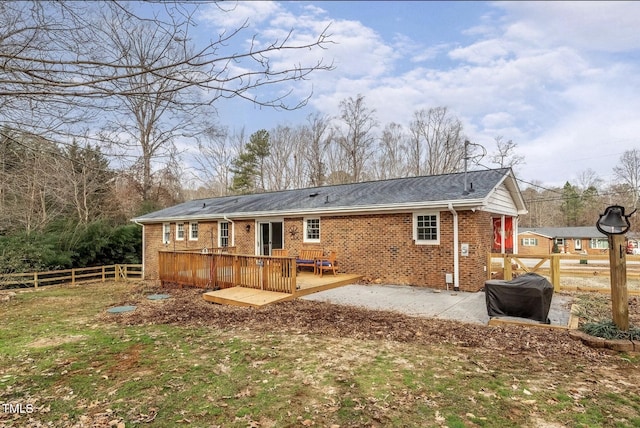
366,209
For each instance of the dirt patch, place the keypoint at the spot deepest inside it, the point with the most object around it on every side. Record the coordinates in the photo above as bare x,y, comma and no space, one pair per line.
187,307
55,341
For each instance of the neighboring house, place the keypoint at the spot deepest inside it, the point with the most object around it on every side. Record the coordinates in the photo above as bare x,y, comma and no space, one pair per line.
431,231
571,240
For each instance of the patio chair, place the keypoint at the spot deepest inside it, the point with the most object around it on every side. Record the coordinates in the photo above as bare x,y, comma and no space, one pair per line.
326,263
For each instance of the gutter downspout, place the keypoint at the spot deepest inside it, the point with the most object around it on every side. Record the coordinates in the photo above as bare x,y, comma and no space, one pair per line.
456,259
143,251
233,235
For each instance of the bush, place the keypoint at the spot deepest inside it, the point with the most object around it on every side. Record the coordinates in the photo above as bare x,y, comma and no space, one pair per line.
67,245
608,330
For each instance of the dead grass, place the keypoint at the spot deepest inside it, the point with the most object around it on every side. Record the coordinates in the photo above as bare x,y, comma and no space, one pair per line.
188,362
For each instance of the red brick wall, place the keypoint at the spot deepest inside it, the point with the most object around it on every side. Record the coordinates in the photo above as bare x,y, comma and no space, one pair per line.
378,246
544,244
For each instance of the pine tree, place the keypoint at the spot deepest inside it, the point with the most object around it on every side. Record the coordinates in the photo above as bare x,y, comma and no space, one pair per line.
248,167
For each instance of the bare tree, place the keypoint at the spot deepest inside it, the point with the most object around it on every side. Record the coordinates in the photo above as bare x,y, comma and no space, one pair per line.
544,206
505,155
52,50
63,62
437,143
318,135
628,173
392,156
355,137
216,152
589,178
29,181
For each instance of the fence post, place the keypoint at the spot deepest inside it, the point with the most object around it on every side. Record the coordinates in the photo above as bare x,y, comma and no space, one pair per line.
506,265
555,272
103,273
73,277
35,279
116,275
125,274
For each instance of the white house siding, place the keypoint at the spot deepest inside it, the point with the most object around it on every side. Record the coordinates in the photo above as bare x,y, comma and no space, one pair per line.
501,202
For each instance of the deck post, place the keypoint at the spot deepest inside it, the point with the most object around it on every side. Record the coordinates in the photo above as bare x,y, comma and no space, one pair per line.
292,276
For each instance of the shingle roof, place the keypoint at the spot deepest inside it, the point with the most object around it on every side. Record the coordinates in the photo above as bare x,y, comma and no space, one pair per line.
385,194
564,232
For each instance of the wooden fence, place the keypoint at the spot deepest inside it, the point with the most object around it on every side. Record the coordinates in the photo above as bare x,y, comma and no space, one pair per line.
119,272
558,266
216,270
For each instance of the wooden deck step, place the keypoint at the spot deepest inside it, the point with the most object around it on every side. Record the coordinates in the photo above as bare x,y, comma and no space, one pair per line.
241,296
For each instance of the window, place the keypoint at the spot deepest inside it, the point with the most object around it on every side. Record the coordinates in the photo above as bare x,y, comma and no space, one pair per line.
223,234
193,231
166,233
599,243
577,244
426,229
179,231
312,230
559,241
529,242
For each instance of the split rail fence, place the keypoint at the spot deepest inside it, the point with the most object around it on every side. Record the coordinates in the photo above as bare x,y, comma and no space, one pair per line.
118,272
558,266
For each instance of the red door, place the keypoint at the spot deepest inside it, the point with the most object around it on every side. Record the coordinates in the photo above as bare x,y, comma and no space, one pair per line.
497,235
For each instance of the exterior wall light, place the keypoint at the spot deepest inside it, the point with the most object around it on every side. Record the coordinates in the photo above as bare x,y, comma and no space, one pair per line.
614,223
248,228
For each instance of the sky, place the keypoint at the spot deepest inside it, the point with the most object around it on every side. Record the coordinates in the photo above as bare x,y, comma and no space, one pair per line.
560,79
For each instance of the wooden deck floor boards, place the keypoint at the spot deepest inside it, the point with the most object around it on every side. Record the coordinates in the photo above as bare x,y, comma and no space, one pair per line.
308,283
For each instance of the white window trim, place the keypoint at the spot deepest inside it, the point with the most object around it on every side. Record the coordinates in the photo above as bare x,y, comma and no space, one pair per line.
191,238
415,228
220,233
304,230
166,227
178,237
593,243
529,242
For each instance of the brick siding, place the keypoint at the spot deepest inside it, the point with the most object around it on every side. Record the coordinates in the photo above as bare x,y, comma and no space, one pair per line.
378,246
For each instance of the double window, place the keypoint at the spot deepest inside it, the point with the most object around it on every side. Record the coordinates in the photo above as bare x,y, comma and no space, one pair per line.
599,243
426,228
179,231
529,242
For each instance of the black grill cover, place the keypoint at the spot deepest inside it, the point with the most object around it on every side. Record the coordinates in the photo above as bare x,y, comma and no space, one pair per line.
526,296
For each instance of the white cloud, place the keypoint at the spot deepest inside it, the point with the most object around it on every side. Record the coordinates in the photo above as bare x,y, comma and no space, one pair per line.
610,26
233,14
558,78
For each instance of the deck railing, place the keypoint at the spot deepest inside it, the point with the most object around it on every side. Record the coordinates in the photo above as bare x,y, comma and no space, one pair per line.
217,270
557,266
74,276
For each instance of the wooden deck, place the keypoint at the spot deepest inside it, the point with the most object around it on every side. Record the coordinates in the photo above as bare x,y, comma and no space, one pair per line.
307,282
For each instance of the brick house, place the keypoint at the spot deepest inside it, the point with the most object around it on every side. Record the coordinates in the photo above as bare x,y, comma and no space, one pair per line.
431,231
567,240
